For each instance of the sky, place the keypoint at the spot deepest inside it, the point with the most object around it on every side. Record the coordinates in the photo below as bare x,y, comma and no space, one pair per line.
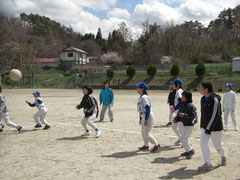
86,16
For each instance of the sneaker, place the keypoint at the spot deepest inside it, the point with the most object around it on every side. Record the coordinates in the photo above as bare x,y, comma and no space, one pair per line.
46,127
169,124
2,125
38,126
225,128
98,133
111,120
19,129
155,149
184,154
177,143
1,129
236,128
101,120
224,161
190,154
205,167
144,148
86,134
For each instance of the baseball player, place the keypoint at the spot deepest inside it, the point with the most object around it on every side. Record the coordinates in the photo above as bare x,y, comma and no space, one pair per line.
211,125
4,114
171,97
106,98
177,127
42,111
187,114
146,118
90,106
229,105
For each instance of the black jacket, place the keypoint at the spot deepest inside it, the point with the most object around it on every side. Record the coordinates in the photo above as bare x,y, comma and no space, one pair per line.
190,114
211,114
88,102
171,97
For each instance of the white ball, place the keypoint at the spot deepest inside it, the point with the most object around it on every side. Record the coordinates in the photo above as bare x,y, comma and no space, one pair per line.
15,75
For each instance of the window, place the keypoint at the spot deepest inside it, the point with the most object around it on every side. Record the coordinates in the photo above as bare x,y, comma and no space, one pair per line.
70,54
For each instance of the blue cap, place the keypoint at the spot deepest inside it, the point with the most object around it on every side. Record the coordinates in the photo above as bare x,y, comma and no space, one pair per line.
228,85
36,93
176,81
142,85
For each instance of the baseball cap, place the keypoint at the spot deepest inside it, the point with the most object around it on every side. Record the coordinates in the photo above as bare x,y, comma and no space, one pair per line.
36,93
176,81
142,85
228,85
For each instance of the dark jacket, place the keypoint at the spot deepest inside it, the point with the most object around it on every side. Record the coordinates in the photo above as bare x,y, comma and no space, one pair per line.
171,97
88,102
211,114
190,114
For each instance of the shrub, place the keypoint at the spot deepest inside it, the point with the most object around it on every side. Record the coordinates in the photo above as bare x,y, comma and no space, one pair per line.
131,71
110,73
152,70
175,70
200,70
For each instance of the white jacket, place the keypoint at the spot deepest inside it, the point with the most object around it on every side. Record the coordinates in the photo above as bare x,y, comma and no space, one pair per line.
229,100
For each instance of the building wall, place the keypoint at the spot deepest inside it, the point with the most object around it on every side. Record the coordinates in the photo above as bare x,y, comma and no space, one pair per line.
236,66
75,56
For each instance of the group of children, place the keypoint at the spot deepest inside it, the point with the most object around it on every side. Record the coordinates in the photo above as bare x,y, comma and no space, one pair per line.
182,123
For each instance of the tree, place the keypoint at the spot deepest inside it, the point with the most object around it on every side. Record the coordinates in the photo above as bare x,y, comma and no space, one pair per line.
200,70
131,71
124,31
111,58
99,37
110,73
151,70
175,70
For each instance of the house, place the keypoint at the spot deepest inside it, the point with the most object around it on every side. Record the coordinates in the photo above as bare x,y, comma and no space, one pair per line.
71,56
236,64
47,62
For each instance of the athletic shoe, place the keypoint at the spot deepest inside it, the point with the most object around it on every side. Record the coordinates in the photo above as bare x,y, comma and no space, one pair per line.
169,124
177,143
101,120
111,120
46,127
205,167
2,125
98,132
144,148
184,154
86,134
1,129
190,154
155,149
236,128
19,129
225,128
224,161
38,126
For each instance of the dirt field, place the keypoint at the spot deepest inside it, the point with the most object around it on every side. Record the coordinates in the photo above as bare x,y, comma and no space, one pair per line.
61,153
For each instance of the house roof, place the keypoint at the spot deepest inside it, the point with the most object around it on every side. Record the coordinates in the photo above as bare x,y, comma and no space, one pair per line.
49,60
236,58
70,49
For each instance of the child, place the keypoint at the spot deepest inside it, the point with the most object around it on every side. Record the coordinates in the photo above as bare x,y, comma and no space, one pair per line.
177,127
106,98
4,114
187,114
171,97
229,105
90,106
211,125
42,111
146,118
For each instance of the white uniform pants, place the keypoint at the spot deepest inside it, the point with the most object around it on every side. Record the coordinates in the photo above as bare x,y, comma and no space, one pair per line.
103,111
170,115
217,142
232,114
146,131
4,115
41,114
177,127
184,138
89,121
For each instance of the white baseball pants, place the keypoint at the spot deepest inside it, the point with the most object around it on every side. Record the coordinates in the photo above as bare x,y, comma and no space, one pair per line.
89,121
4,115
184,138
232,114
41,114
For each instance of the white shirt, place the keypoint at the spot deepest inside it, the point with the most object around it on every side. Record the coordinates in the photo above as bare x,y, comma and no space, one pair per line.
142,102
177,96
229,100
3,105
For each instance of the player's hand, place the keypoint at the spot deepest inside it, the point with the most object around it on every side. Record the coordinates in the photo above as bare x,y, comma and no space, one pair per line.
174,120
140,122
26,101
145,123
233,110
181,114
85,110
77,106
112,105
100,104
171,107
173,110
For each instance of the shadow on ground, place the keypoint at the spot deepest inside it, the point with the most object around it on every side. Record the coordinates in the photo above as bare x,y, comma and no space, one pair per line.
194,83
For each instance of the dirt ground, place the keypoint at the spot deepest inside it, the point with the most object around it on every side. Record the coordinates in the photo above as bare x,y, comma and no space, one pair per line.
61,153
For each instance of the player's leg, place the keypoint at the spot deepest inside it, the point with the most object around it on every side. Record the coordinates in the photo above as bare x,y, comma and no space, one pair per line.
103,111
1,125
42,119
92,125
175,129
110,113
84,124
9,123
232,113
226,113
204,139
36,116
217,142
144,137
184,138
170,118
